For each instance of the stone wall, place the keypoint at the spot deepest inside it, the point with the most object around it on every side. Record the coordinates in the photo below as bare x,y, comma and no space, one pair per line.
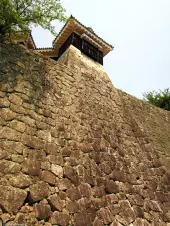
153,121
71,150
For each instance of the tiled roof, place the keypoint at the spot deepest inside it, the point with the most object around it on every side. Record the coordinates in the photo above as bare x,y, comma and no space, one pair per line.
89,29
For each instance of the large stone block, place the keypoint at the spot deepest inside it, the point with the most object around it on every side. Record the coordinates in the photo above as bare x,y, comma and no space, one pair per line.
59,218
56,203
39,191
15,99
57,170
42,211
20,181
48,177
7,114
9,167
11,199
17,125
31,167
111,187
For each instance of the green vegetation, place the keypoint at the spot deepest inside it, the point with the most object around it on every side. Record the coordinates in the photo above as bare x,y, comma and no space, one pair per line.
22,15
160,99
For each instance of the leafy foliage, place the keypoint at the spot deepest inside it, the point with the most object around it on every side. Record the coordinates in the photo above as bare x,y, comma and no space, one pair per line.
160,99
21,15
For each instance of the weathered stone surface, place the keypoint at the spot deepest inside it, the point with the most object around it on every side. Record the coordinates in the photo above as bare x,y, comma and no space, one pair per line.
56,159
127,216
97,222
111,187
7,114
51,148
9,134
57,170
42,211
73,193
115,223
17,158
11,199
3,154
19,126
152,205
48,177
20,181
85,190
70,173
64,184
66,152
33,142
60,218
31,167
77,145
105,215
4,102
56,203
73,207
85,218
26,209
5,217
9,167
15,99
39,191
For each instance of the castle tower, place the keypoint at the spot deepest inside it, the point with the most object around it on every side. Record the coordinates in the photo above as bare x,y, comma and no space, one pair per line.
82,37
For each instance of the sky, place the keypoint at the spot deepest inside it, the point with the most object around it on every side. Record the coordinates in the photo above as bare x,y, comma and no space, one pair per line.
139,30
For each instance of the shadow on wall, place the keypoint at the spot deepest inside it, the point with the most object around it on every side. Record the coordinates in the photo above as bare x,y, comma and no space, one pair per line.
23,72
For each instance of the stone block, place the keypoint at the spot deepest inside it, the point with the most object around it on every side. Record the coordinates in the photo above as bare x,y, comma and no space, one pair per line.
85,190
32,142
48,177
39,191
111,187
85,218
98,191
3,154
105,215
7,114
69,172
17,125
20,181
9,134
17,158
9,167
56,203
97,222
56,159
31,167
15,99
42,211
64,184
66,152
11,199
51,148
4,102
57,170
44,135
73,207
59,218
73,193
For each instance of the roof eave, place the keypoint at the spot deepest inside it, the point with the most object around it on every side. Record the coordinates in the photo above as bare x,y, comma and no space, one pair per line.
75,21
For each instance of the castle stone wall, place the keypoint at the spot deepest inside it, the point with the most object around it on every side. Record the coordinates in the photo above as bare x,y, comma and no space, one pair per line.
71,151
153,121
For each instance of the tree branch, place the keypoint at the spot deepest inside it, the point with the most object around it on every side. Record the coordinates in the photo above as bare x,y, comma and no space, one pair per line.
25,8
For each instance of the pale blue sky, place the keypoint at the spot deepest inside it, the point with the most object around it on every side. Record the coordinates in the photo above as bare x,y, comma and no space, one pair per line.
140,32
